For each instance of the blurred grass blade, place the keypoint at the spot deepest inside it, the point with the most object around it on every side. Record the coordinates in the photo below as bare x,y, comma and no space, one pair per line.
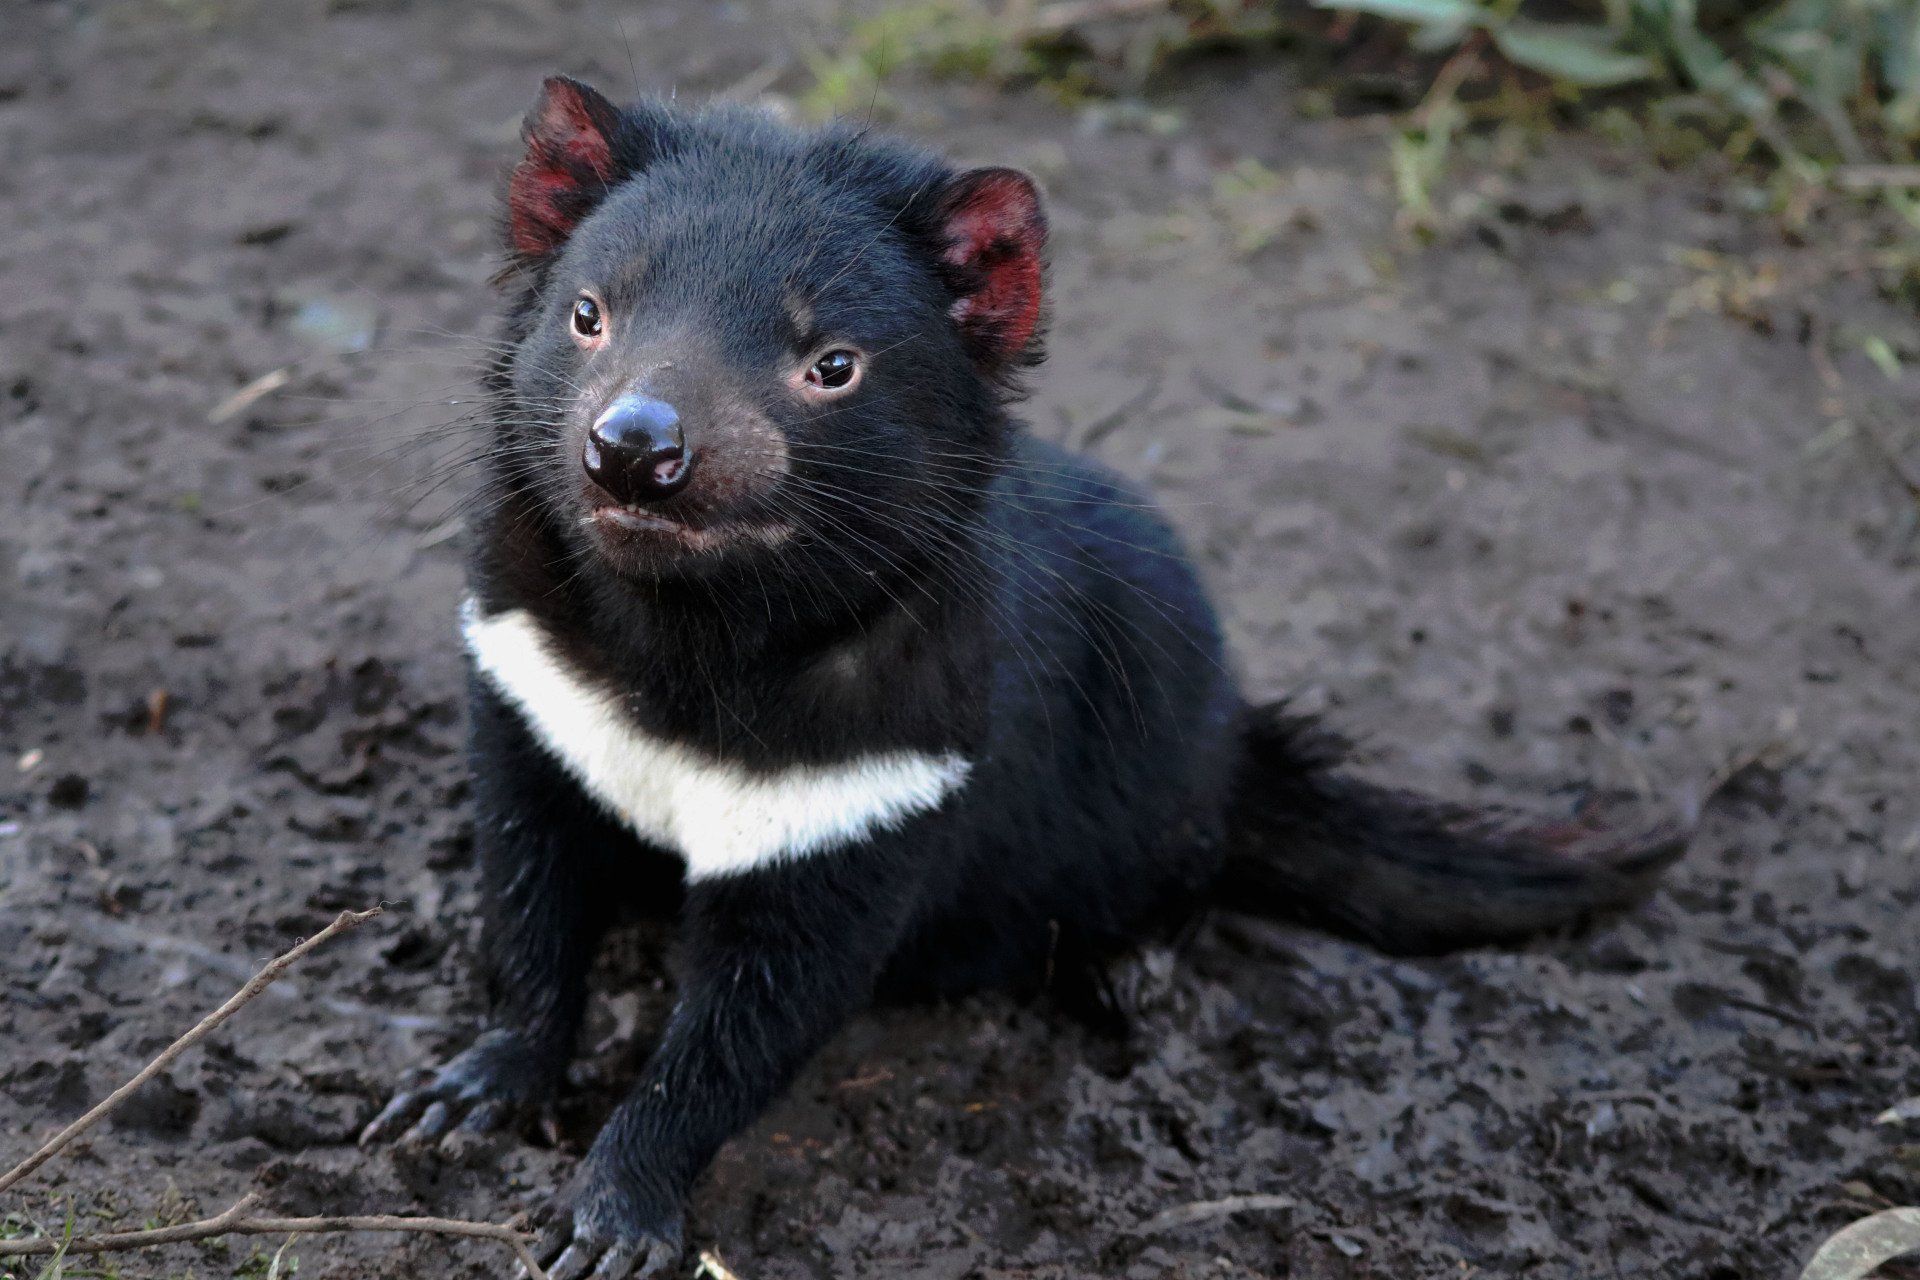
1860,1249
1438,37
1900,66
1457,14
280,1257
1583,56
1900,1113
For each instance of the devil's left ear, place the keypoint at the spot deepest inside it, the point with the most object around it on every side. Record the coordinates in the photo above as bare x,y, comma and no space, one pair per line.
993,238
575,153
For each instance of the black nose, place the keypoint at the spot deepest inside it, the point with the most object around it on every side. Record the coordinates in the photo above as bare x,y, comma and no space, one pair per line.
636,450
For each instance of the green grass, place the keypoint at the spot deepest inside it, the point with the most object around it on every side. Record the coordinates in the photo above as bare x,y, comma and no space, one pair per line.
942,37
1816,93
1818,99
18,1226
261,1265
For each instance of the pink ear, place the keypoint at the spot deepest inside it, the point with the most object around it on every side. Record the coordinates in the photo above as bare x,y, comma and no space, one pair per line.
568,165
995,234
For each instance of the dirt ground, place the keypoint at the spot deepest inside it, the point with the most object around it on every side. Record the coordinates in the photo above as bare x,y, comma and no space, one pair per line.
1569,493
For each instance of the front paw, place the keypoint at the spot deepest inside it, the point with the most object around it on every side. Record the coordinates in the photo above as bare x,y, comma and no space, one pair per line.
598,1228
497,1081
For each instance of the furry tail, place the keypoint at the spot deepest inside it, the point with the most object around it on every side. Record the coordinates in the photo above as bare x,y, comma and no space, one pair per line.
1412,875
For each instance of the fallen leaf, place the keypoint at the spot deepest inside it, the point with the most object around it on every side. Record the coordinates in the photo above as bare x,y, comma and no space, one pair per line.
712,1268
1900,1112
1857,1251
264,385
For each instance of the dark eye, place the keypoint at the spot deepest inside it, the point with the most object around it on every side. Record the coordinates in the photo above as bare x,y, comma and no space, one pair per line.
834,371
586,317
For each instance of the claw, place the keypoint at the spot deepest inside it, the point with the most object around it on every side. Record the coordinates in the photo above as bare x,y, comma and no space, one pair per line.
477,1091
599,1227
568,1250
394,1115
618,1261
636,1260
660,1256
488,1116
573,1263
471,1134
434,1122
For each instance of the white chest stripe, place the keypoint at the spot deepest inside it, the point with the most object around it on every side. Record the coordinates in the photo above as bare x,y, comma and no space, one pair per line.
718,816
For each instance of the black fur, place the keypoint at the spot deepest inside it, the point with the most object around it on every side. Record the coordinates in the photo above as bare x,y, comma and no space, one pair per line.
949,585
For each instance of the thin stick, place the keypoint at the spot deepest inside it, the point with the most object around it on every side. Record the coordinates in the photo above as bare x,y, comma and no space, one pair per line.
1873,177
235,1222
255,985
134,1239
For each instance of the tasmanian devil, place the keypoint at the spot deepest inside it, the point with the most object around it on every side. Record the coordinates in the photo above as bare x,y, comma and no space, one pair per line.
781,625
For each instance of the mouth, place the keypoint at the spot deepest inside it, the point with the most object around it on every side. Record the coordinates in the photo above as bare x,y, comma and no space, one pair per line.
619,526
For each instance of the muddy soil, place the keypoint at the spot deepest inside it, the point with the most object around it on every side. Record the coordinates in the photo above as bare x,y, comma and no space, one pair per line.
1567,494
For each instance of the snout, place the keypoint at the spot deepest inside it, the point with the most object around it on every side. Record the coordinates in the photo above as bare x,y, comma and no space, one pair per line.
637,451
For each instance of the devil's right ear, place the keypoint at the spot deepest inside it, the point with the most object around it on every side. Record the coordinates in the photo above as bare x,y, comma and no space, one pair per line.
578,147
993,239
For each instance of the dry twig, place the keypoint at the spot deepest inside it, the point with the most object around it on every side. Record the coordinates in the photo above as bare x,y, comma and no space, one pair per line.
236,1220
1875,177
259,982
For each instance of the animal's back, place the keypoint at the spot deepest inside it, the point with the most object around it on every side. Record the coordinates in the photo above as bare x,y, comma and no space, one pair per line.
1096,807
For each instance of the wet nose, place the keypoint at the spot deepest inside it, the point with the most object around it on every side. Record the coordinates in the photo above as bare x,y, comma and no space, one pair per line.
636,450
